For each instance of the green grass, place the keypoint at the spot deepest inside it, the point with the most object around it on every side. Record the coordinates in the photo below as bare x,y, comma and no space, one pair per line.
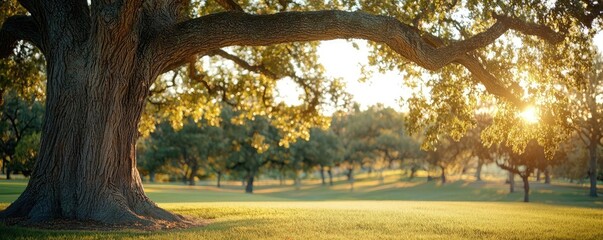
392,210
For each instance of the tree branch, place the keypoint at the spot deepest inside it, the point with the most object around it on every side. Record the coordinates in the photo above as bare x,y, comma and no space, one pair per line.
18,28
244,64
204,34
526,28
230,5
32,6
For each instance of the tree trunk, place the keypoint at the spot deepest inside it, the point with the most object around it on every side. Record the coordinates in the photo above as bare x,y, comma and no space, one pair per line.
538,173
219,178
86,169
349,174
330,173
249,187
152,176
322,175
351,179
511,182
297,180
413,172
547,175
192,174
592,170
8,171
443,176
281,179
478,171
526,188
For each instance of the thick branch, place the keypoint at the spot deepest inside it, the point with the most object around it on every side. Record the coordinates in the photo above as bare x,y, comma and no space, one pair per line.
214,31
18,28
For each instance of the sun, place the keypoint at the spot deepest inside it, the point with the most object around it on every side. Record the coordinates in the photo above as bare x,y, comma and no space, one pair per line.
530,115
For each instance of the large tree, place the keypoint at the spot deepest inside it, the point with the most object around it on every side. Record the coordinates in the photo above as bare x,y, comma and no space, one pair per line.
588,116
102,57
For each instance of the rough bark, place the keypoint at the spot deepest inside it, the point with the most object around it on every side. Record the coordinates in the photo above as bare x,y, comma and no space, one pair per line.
97,83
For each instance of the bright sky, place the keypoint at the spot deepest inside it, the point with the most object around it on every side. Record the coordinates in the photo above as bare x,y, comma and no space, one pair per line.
341,59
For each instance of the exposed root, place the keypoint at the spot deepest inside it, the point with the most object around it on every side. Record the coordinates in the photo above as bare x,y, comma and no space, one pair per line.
112,215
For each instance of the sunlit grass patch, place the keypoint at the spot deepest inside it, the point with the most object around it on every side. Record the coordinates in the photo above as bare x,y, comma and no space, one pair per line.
364,220
393,210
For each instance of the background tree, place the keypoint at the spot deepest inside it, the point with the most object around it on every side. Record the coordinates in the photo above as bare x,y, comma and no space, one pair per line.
588,116
26,154
522,164
447,154
19,119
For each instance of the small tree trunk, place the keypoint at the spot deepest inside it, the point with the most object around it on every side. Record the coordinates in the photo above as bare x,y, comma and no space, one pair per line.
297,180
413,172
349,174
478,171
8,171
526,188
322,175
191,176
592,170
538,173
330,173
250,178
443,176
219,179
280,179
511,182
547,175
381,178
152,176
351,179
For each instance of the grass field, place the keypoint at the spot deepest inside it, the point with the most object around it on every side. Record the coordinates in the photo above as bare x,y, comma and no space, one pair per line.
392,210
